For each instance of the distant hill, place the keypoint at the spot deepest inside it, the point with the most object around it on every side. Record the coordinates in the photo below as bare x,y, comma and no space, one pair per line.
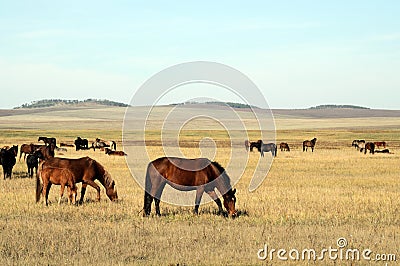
231,104
336,106
59,102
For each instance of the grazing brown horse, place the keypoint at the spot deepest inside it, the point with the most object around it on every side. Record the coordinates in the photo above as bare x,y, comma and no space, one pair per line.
57,176
368,146
28,149
116,153
309,143
85,170
284,146
379,144
173,171
48,141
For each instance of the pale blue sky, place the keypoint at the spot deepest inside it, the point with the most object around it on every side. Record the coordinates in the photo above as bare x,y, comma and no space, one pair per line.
299,53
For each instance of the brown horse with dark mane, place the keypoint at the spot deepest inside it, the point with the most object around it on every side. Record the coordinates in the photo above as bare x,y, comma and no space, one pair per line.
28,149
309,144
48,141
284,146
57,176
379,144
368,146
85,170
176,172
115,153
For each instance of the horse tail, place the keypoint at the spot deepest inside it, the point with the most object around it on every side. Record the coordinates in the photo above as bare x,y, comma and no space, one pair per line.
147,196
114,144
288,149
39,186
276,150
304,146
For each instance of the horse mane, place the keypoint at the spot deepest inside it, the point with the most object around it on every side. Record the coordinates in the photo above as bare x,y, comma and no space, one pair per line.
223,174
106,180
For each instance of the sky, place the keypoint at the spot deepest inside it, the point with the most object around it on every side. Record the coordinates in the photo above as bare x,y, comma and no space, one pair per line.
299,53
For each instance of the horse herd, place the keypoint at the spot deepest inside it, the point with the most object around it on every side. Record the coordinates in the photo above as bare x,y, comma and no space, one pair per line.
51,170
360,145
272,147
66,172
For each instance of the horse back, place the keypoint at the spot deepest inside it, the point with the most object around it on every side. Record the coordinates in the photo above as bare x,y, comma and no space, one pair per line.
182,172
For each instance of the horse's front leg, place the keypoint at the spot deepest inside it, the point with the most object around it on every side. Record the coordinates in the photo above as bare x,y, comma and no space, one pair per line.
199,194
214,196
95,186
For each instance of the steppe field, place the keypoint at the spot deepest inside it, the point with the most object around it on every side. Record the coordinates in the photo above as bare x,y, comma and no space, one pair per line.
307,201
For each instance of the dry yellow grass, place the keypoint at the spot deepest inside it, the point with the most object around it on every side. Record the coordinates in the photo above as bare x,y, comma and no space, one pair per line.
308,200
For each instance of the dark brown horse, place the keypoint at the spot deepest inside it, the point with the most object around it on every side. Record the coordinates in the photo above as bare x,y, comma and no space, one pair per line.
8,160
116,153
81,144
309,143
32,162
57,176
368,146
284,146
176,172
85,170
48,141
28,149
46,152
379,144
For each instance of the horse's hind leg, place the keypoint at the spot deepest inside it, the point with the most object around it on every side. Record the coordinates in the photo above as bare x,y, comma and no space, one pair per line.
157,198
83,190
199,194
61,193
214,196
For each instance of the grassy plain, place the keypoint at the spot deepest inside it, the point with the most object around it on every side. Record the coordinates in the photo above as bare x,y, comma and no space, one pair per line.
308,200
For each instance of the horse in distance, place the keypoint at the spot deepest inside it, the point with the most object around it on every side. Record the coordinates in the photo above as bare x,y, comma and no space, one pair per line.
172,171
115,153
309,144
368,146
358,143
28,149
284,146
379,144
81,144
48,141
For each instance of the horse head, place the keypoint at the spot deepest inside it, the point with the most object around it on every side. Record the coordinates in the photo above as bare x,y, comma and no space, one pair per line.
111,191
229,202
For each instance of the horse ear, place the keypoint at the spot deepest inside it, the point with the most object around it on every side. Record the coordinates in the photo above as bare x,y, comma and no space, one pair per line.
234,191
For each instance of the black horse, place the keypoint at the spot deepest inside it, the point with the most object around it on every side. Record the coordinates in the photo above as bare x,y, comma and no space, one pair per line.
8,160
32,162
81,144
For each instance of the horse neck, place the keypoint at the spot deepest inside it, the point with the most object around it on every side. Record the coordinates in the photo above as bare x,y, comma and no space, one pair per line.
103,176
